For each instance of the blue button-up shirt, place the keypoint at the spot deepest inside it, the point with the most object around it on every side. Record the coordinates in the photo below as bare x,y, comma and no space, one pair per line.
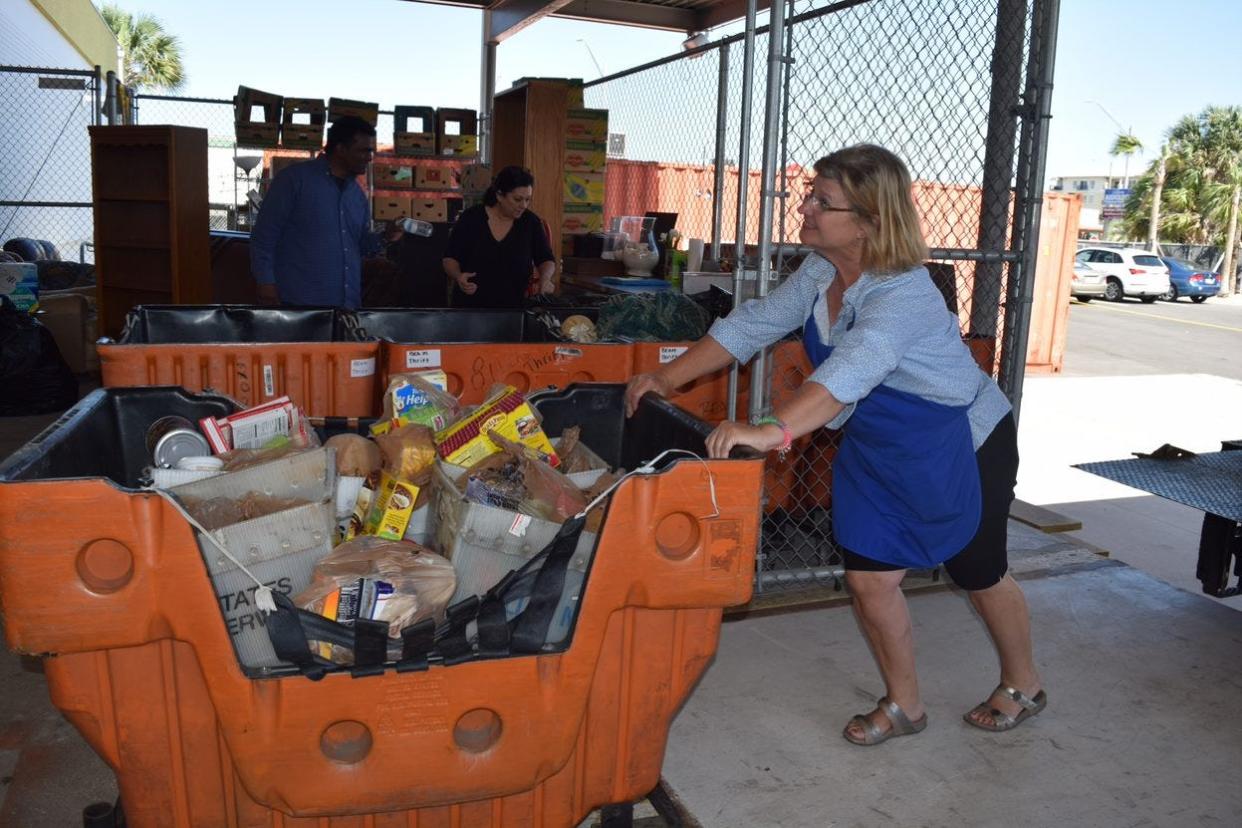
894,330
310,237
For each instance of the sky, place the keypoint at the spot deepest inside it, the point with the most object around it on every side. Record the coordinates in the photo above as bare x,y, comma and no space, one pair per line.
1133,64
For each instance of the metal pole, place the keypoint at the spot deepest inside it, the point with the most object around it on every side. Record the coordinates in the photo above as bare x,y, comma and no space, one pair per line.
781,249
487,91
722,116
768,196
96,98
110,98
743,179
1046,19
998,161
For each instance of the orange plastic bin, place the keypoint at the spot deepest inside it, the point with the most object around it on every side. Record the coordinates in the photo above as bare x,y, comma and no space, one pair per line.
480,348
116,596
250,354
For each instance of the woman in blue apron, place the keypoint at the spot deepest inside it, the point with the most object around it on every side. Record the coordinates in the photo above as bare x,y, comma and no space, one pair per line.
928,457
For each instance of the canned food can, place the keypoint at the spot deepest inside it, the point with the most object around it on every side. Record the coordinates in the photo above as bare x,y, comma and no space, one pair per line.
171,438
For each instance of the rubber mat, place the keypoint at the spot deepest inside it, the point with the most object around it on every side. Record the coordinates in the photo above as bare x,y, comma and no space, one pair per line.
1209,482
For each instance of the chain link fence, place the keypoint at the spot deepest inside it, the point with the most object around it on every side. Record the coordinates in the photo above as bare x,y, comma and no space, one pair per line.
951,86
45,178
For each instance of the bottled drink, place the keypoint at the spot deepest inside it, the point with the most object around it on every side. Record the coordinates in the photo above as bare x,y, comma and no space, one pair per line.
415,227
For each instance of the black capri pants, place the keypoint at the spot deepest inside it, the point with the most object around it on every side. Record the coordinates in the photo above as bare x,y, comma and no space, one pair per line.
985,559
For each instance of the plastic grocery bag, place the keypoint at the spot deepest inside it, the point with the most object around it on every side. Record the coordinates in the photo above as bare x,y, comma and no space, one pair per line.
397,582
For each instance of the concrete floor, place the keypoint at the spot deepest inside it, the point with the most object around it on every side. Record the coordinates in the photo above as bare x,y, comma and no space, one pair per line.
1142,678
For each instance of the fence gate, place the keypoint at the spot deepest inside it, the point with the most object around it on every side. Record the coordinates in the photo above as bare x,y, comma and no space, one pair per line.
45,179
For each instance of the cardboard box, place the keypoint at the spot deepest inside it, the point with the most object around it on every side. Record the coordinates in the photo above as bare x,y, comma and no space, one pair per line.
389,208
261,129
391,509
459,145
279,162
414,143
393,176
466,442
587,125
340,107
436,209
475,178
303,135
582,218
434,178
584,188
585,156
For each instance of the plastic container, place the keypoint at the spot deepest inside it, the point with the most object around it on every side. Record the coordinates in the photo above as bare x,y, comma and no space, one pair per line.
250,354
107,582
480,348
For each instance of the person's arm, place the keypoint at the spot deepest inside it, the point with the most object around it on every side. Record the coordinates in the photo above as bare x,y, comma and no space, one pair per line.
811,407
541,253
275,215
703,357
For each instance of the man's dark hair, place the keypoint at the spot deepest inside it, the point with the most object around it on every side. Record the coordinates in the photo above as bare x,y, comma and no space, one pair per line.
345,129
508,179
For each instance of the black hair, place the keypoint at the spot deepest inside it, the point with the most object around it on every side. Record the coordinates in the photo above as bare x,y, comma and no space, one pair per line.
345,129
507,180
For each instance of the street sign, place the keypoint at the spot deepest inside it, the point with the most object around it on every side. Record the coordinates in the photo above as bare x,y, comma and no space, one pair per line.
1114,206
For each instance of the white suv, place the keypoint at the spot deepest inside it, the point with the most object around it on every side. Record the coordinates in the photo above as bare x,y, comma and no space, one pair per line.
1129,272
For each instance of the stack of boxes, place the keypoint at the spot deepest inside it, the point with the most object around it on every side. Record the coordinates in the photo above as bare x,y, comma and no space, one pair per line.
429,133
309,135
256,118
414,130
340,107
586,151
457,131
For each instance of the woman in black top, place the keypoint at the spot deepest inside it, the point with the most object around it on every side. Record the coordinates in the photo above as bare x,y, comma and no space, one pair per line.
494,245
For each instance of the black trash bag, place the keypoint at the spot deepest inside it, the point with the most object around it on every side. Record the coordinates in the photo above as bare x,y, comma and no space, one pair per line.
56,275
33,375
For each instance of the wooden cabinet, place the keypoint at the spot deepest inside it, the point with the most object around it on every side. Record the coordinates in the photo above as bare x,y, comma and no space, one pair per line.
528,130
151,225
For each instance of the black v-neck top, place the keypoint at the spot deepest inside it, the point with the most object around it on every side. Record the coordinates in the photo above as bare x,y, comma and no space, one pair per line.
503,267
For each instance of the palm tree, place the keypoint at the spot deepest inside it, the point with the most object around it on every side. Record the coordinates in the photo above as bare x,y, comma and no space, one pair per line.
150,56
1126,144
1201,198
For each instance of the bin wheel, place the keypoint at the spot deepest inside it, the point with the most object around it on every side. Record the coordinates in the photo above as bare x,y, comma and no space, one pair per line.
103,815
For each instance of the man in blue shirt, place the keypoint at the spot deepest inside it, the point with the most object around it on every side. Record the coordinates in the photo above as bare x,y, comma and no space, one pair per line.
314,226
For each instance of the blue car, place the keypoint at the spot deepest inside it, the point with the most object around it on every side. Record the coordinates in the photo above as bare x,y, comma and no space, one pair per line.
1187,280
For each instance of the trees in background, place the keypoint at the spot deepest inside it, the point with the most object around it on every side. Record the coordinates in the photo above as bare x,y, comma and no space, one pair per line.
150,56
1192,193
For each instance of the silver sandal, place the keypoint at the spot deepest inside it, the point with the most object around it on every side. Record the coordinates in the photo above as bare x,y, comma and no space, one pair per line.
1003,721
872,735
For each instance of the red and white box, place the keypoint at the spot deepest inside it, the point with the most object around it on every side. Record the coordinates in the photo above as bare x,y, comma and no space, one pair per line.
254,427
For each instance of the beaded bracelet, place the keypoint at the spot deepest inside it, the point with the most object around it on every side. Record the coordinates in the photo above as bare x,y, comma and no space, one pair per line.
783,448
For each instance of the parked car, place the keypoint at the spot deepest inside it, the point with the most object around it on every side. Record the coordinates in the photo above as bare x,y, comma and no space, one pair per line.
1187,280
1086,282
1127,272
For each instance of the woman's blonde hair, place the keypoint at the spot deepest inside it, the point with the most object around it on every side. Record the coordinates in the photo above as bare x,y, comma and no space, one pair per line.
877,185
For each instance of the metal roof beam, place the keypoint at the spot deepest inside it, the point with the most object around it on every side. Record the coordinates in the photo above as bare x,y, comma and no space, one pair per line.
727,11
645,15
508,17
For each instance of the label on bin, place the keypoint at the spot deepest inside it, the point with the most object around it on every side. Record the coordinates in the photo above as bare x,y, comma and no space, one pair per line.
670,353
269,382
429,358
362,367
518,527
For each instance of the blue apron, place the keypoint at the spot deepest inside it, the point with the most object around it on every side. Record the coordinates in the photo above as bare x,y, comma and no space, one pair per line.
905,483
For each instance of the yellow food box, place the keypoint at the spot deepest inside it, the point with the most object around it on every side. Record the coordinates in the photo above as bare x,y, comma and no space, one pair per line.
391,509
466,442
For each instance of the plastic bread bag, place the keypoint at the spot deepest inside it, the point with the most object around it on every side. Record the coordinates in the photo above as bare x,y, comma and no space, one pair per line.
419,398
397,582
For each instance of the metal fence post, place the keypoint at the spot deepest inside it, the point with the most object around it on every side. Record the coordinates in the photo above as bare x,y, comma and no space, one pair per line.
768,194
998,162
96,101
110,99
487,92
1019,305
722,123
743,181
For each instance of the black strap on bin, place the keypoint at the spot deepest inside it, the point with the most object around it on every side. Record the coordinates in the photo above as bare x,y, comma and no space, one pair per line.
292,629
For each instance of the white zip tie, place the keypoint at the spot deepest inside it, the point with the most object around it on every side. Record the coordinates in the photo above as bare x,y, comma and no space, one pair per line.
649,468
263,595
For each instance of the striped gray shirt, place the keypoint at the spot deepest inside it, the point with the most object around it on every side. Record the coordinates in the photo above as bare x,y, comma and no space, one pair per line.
894,330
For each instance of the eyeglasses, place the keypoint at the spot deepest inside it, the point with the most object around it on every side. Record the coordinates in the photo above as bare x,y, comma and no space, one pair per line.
824,205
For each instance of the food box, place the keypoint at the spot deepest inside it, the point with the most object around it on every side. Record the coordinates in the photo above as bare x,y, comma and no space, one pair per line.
585,156
466,442
587,125
389,208
584,188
